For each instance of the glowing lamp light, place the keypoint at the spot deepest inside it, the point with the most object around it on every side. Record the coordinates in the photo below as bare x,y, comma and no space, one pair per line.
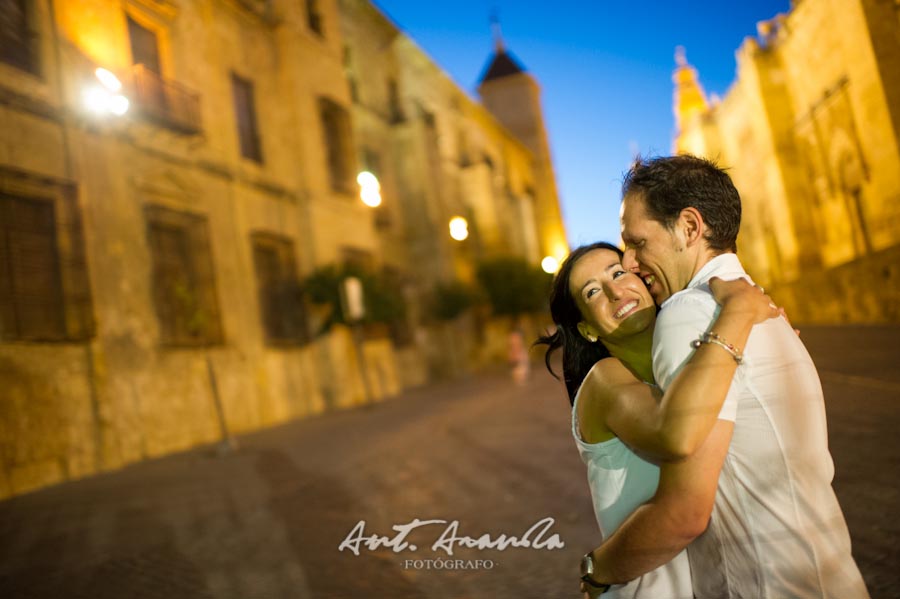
118,104
105,98
369,189
109,81
550,264
96,99
459,228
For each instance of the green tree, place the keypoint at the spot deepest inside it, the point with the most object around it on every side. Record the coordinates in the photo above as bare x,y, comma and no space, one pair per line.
513,286
383,298
450,300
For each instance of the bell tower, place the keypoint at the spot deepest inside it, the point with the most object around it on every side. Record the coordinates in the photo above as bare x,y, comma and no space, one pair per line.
513,96
689,99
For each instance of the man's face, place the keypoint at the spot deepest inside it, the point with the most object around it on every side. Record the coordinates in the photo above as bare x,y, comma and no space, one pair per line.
654,251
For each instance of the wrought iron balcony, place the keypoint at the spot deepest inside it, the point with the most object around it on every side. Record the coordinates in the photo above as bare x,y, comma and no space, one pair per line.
166,102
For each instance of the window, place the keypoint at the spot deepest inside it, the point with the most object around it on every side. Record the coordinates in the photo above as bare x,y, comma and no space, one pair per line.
394,108
163,102
462,149
144,47
280,295
348,72
245,112
314,17
44,292
336,127
31,294
149,87
17,40
429,121
184,288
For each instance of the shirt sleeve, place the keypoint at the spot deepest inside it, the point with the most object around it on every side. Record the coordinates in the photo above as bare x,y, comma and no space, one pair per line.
679,323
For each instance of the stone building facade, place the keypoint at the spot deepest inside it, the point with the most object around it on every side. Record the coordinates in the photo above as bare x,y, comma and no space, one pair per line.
809,130
139,252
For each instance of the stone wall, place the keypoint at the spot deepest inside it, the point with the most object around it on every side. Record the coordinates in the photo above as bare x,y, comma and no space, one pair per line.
864,291
808,133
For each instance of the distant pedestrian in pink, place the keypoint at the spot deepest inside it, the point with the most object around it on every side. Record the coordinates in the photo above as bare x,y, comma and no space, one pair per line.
517,355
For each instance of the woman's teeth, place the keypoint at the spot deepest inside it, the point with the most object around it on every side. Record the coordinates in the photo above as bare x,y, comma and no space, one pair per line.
625,309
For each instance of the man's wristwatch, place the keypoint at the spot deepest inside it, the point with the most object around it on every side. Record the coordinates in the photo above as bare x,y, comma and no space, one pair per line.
587,573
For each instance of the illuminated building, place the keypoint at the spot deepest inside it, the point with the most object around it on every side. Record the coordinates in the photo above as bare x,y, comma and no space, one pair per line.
809,131
147,253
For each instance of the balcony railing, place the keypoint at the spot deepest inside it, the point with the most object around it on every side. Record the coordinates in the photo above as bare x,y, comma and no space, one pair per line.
166,102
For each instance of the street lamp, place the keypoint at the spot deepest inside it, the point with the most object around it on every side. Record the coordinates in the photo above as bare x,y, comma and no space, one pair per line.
369,189
104,97
459,228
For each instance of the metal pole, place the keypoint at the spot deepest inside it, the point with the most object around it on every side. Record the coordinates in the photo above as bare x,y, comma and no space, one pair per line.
358,341
227,442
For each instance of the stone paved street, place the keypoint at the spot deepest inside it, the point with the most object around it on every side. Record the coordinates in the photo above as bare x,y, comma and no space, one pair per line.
266,521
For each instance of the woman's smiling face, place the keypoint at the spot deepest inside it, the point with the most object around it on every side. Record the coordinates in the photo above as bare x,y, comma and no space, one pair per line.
614,303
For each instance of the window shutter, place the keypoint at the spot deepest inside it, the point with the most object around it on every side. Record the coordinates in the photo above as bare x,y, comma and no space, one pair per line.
16,44
171,278
266,261
32,269
74,269
144,47
207,319
8,327
280,295
338,132
184,288
245,113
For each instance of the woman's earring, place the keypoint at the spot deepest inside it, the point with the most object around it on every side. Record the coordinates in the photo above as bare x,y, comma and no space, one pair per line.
592,339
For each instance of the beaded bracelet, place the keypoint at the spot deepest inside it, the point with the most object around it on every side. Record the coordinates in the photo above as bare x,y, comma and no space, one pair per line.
712,337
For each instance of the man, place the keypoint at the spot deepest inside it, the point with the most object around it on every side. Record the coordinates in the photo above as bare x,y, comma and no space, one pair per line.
753,504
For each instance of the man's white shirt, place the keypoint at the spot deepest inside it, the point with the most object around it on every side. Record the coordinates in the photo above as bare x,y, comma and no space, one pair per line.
776,529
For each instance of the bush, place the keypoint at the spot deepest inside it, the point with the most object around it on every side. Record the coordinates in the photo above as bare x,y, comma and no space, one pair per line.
513,286
449,300
383,299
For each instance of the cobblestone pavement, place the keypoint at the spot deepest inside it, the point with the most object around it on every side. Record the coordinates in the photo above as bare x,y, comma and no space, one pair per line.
266,521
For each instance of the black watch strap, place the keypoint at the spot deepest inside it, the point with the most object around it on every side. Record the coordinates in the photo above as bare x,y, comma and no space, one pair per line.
601,586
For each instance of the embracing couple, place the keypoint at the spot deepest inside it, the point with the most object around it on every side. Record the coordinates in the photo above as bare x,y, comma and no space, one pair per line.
695,406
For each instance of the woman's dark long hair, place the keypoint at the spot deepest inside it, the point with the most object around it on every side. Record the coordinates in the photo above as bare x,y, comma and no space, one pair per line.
579,355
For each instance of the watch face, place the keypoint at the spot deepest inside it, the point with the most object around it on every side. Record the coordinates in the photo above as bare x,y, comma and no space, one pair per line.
587,565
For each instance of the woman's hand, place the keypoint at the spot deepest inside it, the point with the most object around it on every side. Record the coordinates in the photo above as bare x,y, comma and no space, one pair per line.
741,296
590,591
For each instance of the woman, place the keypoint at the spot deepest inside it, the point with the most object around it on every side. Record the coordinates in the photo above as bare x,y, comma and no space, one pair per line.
605,317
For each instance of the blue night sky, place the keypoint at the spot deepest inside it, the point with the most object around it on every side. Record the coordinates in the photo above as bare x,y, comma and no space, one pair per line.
605,69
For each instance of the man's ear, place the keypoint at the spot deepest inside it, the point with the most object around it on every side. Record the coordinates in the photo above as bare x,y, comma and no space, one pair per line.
691,224
587,331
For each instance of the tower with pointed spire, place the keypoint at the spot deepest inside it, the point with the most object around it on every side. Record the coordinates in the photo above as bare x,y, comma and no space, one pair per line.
513,96
689,99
